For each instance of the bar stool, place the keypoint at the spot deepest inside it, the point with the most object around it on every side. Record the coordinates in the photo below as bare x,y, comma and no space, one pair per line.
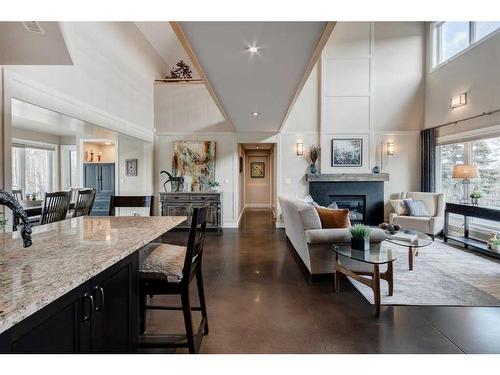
168,270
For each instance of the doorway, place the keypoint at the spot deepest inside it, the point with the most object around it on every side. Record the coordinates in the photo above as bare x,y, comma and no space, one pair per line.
258,178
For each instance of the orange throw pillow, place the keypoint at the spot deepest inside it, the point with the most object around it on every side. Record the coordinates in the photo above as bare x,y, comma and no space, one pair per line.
333,217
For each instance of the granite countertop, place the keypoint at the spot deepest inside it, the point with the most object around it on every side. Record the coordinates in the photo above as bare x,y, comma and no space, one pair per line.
66,254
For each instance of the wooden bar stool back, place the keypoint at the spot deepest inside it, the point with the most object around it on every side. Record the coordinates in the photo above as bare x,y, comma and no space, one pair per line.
163,279
131,202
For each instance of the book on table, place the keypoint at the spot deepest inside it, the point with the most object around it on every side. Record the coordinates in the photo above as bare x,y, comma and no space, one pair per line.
406,237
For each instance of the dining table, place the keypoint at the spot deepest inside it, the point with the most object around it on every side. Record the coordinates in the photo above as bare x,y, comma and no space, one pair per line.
33,208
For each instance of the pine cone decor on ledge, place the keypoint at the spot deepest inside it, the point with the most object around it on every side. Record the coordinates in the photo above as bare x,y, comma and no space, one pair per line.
181,70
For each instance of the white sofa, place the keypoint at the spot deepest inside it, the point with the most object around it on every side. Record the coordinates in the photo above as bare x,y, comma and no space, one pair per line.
434,202
311,242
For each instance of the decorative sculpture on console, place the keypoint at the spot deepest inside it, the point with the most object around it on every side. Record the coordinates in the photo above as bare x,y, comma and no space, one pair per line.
176,183
8,200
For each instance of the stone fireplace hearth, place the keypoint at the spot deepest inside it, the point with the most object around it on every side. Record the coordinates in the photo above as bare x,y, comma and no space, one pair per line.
361,193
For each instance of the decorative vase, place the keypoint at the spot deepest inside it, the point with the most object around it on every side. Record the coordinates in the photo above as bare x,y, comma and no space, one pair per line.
313,168
214,188
361,244
475,201
187,183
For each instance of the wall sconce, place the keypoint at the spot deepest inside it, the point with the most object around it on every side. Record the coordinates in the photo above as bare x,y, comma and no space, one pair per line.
390,148
458,100
300,149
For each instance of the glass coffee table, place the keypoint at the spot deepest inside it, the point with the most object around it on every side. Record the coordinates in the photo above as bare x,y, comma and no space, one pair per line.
379,254
421,240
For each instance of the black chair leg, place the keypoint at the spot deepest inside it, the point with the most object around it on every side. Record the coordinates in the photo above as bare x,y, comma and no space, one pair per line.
188,322
142,313
201,295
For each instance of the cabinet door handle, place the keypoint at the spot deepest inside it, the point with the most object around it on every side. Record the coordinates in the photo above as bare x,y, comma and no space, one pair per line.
87,314
100,290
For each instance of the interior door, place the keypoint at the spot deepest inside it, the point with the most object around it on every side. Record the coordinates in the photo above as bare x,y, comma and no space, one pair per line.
107,179
90,176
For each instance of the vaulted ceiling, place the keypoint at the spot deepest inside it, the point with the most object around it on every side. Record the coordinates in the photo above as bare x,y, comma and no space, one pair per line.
254,90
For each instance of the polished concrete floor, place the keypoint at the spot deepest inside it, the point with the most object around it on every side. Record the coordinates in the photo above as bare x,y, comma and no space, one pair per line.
260,301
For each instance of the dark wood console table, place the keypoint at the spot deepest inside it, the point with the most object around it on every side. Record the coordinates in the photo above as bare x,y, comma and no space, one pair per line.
467,210
182,204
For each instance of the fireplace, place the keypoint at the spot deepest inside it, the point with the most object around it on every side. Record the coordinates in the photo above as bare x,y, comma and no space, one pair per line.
361,193
354,203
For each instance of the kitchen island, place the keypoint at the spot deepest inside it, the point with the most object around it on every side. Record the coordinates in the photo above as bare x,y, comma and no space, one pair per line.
75,288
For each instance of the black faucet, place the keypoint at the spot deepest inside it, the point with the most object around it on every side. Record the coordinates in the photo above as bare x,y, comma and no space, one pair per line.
7,199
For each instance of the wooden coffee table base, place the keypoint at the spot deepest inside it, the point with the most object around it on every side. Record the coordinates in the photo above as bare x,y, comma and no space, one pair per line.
371,279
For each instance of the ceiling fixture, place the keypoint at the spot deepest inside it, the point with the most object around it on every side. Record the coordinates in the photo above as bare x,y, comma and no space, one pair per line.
107,143
253,49
255,114
33,27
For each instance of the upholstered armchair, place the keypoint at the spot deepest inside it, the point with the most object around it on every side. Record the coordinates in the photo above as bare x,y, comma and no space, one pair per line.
432,225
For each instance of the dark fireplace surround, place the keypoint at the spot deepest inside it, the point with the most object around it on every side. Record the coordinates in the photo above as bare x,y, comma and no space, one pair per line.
362,193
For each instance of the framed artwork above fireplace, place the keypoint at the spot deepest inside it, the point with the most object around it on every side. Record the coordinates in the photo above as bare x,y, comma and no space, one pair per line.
347,152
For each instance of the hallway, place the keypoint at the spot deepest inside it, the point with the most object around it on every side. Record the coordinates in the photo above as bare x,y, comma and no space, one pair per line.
260,301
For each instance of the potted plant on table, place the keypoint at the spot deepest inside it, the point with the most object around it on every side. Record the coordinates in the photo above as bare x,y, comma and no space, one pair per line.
495,245
214,185
475,195
314,152
360,239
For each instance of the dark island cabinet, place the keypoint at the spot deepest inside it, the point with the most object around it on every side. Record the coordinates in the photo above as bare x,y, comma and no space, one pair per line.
99,316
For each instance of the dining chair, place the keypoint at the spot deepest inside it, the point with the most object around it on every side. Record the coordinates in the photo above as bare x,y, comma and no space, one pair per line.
166,269
83,202
131,202
74,194
18,194
55,207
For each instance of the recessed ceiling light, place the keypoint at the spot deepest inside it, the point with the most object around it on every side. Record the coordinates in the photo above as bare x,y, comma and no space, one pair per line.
107,143
253,49
255,114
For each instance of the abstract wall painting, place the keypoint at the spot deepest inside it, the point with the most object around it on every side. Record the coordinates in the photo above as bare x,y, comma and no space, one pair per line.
195,162
347,152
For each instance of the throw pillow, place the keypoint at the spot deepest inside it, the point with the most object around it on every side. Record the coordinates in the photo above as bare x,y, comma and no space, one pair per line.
399,206
416,208
309,200
333,205
333,218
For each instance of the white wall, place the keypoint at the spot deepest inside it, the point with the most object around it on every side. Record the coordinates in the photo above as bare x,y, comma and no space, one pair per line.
476,72
187,108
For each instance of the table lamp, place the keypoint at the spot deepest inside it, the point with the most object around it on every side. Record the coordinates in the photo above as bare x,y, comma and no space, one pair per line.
466,173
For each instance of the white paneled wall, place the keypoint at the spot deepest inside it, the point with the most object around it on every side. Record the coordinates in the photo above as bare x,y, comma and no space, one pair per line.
346,88
372,86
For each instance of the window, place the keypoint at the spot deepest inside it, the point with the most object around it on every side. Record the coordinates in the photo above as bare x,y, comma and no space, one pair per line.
485,154
33,168
449,155
451,38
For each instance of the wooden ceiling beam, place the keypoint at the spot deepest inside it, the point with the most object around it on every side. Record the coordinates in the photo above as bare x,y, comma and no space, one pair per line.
194,59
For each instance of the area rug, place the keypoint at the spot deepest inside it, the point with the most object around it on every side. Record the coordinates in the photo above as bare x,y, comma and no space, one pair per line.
442,275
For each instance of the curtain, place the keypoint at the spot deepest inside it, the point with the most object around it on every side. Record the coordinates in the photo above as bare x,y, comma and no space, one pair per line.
428,160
